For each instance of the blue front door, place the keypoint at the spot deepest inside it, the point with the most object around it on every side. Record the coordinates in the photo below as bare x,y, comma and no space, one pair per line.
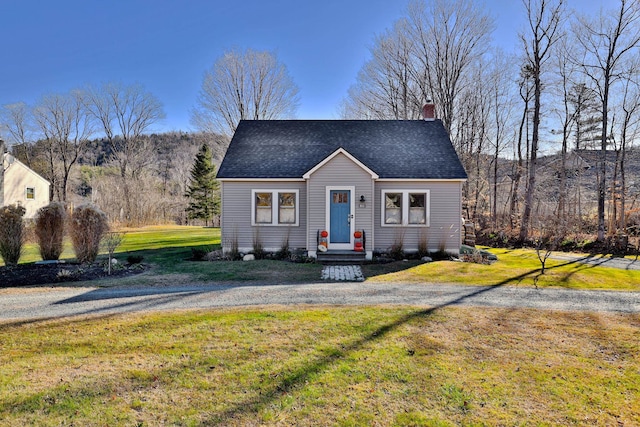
340,211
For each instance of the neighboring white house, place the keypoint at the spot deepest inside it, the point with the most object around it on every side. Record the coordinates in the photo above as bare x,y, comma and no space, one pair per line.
341,185
23,186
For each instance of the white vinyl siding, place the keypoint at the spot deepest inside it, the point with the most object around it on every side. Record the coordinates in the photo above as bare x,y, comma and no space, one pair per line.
22,185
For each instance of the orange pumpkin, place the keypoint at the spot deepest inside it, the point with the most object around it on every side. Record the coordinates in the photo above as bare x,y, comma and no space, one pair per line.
324,233
357,234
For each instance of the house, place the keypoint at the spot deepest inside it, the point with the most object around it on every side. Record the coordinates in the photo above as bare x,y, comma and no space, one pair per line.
21,185
341,185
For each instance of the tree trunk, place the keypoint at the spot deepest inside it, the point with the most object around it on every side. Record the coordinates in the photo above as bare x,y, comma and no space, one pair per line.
602,181
516,180
528,201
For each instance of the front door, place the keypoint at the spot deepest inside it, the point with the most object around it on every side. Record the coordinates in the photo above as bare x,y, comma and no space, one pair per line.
340,218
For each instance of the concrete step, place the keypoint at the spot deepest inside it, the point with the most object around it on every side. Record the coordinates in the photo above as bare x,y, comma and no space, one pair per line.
341,257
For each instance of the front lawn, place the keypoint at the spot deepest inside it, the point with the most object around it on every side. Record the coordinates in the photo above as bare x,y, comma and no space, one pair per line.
168,250
323,366
516,267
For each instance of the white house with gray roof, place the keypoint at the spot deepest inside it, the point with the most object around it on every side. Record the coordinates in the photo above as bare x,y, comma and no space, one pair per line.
341,185
21,185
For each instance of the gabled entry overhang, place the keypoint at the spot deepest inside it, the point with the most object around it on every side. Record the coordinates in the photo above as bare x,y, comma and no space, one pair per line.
344,152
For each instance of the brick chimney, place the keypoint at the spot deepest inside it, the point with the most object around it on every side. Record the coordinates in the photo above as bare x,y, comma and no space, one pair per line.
429,111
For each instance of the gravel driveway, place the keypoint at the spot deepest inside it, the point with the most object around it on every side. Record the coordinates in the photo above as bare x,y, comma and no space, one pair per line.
38,303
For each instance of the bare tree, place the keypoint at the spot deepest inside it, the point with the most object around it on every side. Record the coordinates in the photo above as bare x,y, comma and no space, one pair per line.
18,122
244,85
566,76
385,87
501,101
448,38
625,133
522,159
543,20
427,55
607,41
66,128
473,139
124,113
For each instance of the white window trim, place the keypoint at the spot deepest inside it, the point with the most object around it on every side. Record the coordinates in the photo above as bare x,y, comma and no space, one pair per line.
274,208
352,210
405,208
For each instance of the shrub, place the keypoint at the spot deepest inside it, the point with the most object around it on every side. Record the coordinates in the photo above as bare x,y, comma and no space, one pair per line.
423,244
88,225
258,247
11,233
49,230
199,254
234,251
284,252
396,251
134,259
111,241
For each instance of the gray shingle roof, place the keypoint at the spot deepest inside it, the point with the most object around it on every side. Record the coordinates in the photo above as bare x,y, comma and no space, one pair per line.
411,149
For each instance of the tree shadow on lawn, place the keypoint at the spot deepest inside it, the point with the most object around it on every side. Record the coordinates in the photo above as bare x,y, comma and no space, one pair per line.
162,298
290,381
145,298
585,263
299,377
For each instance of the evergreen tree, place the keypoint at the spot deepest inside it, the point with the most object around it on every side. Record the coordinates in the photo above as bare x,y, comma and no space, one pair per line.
203,190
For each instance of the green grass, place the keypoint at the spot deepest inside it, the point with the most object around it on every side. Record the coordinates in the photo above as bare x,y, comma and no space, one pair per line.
168,250
342,366
323,366
160,243
516,267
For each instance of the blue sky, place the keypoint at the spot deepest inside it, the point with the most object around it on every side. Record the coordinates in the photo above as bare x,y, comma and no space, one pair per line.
54,46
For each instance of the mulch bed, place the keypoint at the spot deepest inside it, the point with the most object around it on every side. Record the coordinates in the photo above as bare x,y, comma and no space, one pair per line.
43,274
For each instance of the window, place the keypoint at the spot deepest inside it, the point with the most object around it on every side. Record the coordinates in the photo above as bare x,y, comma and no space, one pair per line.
263,208
393,208
341,197
405,207
30,193
286,208
417,208
275,207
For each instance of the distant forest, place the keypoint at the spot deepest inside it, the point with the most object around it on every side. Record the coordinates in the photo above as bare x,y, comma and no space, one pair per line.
159,180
